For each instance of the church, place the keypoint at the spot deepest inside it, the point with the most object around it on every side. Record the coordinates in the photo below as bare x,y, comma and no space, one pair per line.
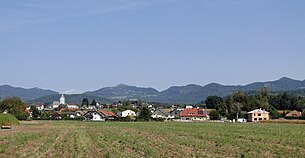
62,101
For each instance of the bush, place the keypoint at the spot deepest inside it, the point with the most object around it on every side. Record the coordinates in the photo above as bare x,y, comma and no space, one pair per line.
8,120
126,119
158,119
22,116
295,118
215,115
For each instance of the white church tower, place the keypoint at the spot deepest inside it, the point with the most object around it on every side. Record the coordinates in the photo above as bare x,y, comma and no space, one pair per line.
62,99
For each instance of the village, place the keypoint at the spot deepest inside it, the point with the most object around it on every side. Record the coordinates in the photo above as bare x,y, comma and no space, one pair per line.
134,111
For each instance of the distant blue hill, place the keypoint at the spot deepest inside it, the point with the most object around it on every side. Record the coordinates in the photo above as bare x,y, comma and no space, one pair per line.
189,94
192,94
24,94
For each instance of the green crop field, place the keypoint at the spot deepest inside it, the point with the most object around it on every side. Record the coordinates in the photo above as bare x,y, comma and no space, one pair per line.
152,139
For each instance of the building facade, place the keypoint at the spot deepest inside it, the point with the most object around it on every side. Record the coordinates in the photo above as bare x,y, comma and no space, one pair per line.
128,113
258,115
193,114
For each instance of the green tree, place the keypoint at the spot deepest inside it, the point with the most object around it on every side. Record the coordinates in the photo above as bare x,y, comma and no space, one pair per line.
262,98
12,105
237,102
213,101
300,105
222,109
85,102
93,102
145,114
35,112
215,115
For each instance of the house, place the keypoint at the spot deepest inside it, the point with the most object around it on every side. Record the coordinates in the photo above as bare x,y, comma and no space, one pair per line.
193,114
127,113
109,116
92,107
294,113
94,116
258,115
100,115
161,113
72,109
80,112
72,106
39,106
72,114
55,104
176,112
56,115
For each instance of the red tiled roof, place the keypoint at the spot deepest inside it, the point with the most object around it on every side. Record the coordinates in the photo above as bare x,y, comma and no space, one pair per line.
72,109
193,113
107,113
294,113
27,111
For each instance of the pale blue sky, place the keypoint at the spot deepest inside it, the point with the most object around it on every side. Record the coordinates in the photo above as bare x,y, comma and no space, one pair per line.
79,45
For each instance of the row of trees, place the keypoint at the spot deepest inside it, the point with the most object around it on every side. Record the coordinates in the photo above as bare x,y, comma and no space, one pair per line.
237,103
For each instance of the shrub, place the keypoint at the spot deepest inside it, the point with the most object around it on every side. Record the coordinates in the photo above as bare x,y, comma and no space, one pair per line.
215,115
158,119
22,116
294,118
8,120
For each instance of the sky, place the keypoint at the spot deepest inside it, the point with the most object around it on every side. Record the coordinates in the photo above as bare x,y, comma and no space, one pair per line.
73,46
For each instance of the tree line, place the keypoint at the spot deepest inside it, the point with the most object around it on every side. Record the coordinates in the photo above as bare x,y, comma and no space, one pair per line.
238,103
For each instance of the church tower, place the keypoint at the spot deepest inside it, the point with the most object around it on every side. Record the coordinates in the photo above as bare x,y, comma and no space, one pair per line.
62,99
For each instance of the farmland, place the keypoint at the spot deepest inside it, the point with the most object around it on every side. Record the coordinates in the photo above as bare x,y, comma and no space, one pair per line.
152,139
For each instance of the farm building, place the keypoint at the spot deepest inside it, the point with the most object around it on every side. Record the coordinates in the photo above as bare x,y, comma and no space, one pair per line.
258,115
294,113
193,114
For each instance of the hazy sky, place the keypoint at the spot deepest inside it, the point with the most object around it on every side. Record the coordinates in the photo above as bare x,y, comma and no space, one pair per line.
78,45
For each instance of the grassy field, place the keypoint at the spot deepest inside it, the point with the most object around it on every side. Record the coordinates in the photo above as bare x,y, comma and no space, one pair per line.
153,139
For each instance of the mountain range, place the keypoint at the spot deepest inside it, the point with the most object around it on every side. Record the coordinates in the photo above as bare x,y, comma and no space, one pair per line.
192,94
24,94
189,94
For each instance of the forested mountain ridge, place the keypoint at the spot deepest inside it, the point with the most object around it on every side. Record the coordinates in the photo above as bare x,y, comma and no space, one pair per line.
24,94
192,94
189,94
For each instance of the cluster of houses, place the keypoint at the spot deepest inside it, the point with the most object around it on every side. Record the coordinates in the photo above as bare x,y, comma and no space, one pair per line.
186,114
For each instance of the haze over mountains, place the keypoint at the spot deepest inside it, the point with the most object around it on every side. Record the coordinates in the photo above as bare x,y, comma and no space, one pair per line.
189,94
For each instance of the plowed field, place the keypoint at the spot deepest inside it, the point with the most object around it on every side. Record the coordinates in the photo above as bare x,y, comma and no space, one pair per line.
152,139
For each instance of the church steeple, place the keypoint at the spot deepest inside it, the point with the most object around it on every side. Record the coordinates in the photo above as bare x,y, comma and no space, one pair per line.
62,99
